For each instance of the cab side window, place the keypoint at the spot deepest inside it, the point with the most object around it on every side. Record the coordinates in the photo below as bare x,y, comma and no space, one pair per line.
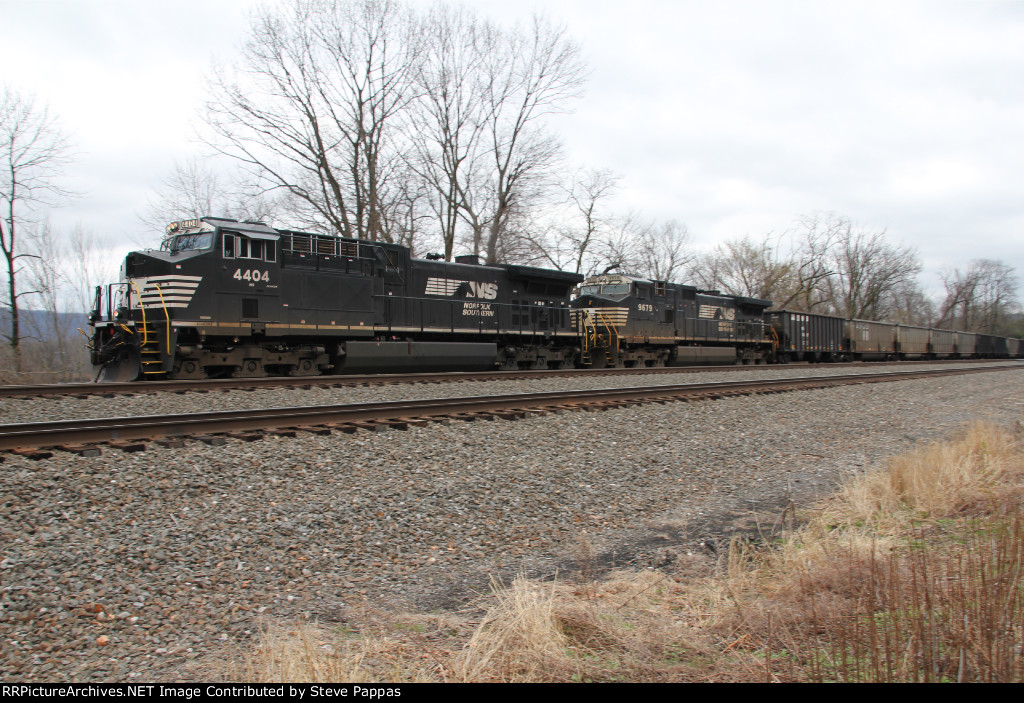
239,247
250,248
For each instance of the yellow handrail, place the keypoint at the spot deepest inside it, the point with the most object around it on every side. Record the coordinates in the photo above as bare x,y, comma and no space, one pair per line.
589,331
613,332
145,327
167,315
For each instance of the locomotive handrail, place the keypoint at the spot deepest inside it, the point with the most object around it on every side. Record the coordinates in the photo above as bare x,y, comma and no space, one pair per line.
613,332
167,316
589,335
142,308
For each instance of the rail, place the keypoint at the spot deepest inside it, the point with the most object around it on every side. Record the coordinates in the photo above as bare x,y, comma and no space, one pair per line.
83,390
76,432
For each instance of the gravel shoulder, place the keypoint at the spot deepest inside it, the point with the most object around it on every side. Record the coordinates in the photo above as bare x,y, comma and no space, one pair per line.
129,566
13,410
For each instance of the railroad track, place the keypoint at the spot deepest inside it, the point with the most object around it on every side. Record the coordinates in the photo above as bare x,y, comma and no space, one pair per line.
84,390
131,433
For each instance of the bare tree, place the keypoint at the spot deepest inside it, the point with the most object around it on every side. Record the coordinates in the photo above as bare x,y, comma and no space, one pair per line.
663,251
644,248
981,298
586,196
619,248
447,124
311,108
907,304
529,74
47,275
366,116
867,270
813,239
193,189
481,142
757,269
33,152
572,238
92,267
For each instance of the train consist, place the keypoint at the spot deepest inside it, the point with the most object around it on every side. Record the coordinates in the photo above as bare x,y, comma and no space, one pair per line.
241,299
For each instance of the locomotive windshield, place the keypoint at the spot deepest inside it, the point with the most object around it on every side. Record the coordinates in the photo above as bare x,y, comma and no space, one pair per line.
190,242
606,289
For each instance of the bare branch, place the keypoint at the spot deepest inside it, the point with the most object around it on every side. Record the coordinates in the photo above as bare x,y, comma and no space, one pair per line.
33,153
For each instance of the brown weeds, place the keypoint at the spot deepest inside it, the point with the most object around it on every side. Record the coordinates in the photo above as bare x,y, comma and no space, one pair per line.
910,574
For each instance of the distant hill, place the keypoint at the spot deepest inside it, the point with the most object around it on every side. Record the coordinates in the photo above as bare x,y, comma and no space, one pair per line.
37,323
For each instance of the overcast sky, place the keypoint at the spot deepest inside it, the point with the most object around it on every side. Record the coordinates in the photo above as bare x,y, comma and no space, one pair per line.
733,117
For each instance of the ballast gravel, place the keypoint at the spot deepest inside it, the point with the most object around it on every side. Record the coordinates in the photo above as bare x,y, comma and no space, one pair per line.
130,567
16,410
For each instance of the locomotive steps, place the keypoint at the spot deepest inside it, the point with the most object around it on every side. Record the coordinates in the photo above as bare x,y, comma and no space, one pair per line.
131,433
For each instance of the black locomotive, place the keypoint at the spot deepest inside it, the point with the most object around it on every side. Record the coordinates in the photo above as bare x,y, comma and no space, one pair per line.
633,322
241,299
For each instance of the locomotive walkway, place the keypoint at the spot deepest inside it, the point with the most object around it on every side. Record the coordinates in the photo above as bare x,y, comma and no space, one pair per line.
131,433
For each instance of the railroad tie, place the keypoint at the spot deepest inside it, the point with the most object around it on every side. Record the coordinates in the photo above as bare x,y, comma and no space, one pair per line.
415,421
81,449
315,429
244,436
346,427
128,447
212,440
31,453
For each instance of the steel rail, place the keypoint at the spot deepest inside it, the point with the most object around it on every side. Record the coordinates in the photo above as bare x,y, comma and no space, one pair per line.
223,384
48,434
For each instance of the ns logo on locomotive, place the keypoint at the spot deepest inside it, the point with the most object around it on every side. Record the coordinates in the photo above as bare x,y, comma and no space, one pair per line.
241,299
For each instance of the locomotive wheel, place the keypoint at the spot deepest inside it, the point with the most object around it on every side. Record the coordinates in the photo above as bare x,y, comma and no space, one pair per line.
250,368
305,367
188,370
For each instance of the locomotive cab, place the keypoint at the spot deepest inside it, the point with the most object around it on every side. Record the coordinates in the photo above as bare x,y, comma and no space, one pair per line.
163,318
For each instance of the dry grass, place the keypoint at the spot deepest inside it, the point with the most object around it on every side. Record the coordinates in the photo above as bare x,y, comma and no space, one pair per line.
909,574
937,480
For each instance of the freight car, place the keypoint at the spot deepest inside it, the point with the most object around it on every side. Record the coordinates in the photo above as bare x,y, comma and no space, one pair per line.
241,299
634,322
804,336
800,336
